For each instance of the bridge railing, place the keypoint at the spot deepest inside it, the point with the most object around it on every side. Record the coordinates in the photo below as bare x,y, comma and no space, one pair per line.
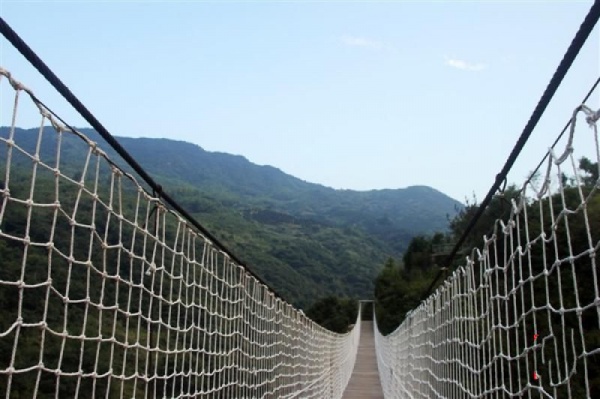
107,293
521,318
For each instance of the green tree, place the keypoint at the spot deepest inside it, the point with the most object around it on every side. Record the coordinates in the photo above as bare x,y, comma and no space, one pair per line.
334,313
418,254
590,171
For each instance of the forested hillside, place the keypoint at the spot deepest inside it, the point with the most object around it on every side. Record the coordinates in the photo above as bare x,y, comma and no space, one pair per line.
305,239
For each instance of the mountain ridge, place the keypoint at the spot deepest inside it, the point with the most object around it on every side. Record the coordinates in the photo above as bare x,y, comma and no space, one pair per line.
243,158
305,239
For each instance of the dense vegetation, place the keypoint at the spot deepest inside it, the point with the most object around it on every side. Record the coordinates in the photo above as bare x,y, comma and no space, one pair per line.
307,241
335,314
402,283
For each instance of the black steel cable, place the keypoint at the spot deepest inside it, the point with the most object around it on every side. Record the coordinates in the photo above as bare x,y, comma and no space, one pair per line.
38,64
576,44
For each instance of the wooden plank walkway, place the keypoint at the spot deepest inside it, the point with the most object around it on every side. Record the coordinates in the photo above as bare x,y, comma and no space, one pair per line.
364,382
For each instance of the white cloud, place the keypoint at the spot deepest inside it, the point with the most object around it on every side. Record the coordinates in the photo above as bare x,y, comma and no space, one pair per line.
354,41
464,65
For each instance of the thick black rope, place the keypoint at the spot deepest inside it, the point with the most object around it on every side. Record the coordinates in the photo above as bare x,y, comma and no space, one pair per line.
576,44
32,57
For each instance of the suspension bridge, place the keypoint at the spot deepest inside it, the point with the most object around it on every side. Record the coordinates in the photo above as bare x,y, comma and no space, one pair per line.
110,289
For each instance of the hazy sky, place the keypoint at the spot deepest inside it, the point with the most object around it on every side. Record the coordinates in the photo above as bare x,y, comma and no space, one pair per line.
360,95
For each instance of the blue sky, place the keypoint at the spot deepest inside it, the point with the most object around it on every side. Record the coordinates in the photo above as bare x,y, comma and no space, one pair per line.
357,95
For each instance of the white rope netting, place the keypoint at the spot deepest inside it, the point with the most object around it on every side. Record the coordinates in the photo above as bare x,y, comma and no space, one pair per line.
522,317
106,293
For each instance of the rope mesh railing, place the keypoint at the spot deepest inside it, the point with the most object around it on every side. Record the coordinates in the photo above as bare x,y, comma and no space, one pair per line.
522,317
107,293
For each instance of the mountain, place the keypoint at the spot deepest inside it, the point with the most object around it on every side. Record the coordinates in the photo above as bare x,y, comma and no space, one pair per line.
402,212
305,239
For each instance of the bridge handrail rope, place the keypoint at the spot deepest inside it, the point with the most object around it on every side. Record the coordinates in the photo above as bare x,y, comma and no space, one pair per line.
108,292
521,317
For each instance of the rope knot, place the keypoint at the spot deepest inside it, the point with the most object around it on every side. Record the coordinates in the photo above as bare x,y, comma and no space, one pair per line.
591,115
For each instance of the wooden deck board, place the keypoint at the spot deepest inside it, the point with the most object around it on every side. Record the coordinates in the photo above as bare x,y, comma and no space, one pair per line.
364,382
